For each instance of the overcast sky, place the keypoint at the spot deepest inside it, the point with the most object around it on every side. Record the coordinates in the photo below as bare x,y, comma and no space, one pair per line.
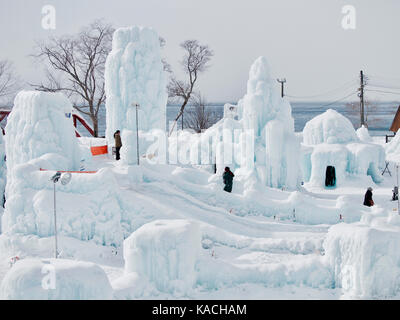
302,39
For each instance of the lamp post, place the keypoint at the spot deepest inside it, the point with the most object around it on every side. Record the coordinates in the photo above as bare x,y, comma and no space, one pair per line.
136,105
65,179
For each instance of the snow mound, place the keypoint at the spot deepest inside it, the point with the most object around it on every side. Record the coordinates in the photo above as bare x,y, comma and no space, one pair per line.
329,127
365,260
55,279
37,129
363,134
134,74
164,252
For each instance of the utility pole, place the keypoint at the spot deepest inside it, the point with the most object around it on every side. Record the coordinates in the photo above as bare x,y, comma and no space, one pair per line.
361,95
282,82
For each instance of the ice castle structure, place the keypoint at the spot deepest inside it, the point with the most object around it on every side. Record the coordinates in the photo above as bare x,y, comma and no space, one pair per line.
268,116
333,151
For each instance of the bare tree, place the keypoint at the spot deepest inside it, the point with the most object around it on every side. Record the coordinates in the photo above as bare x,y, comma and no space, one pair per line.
8,79
200,117
76,67
194,62
166,65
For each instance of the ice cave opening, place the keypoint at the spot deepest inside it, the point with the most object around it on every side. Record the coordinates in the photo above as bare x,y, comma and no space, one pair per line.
330,176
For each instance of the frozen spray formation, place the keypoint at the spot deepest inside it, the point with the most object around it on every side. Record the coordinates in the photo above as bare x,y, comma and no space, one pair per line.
276,147
38,130
39,135
134,74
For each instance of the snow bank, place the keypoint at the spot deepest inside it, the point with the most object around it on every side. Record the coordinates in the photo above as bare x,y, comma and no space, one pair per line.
37,129
55,279
164,252
365,260
134,74
329,127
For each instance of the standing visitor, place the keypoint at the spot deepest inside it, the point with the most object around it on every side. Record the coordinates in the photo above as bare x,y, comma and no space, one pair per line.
228,179
368,198
118,144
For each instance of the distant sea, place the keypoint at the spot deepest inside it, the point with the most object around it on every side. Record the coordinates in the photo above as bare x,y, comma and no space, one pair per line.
379,118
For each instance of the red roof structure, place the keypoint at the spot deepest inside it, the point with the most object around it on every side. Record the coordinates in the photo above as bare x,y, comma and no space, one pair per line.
396,121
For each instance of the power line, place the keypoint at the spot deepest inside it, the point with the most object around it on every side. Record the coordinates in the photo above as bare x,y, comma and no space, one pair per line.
384,77
383,86
382,91
352,82
328,104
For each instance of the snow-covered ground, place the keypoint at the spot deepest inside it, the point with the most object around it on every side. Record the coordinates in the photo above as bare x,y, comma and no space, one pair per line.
265,245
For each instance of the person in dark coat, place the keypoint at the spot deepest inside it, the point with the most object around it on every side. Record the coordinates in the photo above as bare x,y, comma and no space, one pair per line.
368,198
228,179
118,144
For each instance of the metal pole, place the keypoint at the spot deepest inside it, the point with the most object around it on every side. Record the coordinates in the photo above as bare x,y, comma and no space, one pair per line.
398,200
137,134
282,82
55,222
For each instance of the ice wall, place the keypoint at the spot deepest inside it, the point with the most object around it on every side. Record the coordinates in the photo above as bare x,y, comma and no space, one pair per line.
134,74
329,139
364,256
276,146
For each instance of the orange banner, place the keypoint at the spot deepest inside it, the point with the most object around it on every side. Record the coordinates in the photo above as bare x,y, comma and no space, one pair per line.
99,150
